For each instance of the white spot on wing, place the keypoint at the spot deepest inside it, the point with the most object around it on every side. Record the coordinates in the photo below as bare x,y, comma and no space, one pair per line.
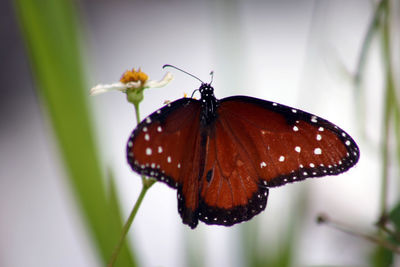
297,149
263,164
281,158
148,151
317,151
314,119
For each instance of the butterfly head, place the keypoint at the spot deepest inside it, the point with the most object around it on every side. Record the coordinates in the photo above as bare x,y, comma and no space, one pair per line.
206,90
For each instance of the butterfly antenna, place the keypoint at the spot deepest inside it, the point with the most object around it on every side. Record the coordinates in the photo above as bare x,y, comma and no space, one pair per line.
172,66
194,92
212,76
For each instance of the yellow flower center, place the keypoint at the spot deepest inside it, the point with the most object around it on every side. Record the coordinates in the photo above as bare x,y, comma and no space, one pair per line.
134,76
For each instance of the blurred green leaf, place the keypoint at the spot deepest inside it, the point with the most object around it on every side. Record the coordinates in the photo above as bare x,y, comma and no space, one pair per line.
394,216
382,257
259,251
50,30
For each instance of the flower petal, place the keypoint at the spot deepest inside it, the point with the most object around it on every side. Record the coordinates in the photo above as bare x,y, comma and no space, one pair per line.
164,81
103,88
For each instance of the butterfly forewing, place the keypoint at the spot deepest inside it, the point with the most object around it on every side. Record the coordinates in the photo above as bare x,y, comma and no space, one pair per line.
287,144
158,145
167,146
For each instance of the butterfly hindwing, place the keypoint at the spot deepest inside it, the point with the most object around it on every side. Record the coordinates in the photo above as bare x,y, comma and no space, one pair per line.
230,191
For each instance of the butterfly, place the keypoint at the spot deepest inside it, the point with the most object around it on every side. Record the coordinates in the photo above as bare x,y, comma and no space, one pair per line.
223,155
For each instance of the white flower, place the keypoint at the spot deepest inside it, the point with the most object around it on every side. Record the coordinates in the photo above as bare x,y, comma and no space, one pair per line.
132,80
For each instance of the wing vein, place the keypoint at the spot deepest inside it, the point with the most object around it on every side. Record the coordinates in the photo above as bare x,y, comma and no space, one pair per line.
243,149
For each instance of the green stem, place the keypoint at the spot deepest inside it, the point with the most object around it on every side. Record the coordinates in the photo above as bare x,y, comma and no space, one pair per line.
137,112
391,233
388,106
361,62
396,118
367,43
146,184
347,229
385,159
125,229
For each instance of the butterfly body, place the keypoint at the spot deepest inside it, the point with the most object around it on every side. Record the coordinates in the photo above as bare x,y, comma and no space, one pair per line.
209,104
223,155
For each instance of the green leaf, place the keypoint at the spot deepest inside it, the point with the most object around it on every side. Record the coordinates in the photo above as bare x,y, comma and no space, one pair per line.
259,251
382,257
50,31
394,216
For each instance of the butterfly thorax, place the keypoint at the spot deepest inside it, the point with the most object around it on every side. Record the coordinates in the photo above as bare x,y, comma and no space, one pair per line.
209,104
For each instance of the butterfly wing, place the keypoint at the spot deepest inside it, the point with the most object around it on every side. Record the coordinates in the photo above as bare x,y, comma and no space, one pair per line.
230,190
166,146
222,169
255,144
287,144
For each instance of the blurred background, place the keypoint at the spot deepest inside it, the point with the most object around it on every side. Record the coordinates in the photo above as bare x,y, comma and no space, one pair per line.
66,187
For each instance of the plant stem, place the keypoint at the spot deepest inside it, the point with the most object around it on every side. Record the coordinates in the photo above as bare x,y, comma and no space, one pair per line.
388,106
146,184
373,26
137,112
344,228
361,62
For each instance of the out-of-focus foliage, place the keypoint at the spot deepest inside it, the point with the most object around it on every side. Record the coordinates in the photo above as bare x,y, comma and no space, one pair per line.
50,29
